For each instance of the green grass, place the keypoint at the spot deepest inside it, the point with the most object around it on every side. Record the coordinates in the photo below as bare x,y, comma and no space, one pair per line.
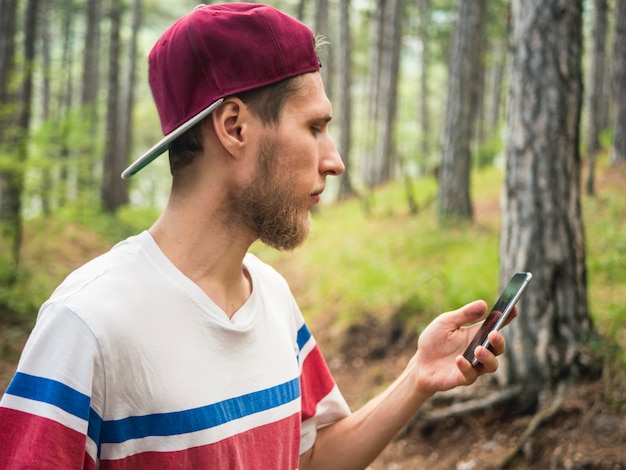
605,217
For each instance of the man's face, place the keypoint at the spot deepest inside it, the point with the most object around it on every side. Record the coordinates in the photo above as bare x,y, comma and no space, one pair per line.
293,160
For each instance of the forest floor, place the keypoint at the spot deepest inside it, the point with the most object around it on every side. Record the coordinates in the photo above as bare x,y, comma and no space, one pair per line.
584,430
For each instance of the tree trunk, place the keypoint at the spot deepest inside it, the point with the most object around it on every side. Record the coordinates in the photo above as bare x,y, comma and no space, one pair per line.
595,84
124,125
300,10
8,20
424,6
65,99
45,189
112,190
497,76
454,174
322,29
345,97
89,95
10,173
383,158
30,37
618,149
376,25
542,228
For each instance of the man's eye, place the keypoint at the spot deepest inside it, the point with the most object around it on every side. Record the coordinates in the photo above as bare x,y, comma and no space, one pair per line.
316,129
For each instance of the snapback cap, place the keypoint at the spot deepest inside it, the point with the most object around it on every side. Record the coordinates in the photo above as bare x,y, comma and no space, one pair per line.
218,51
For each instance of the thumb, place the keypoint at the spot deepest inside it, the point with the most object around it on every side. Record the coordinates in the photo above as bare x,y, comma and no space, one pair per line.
469,313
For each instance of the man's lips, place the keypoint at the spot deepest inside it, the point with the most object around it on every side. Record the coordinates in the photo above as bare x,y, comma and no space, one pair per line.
316,195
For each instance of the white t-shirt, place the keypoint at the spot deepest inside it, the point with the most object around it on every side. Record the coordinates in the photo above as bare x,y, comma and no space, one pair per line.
131,365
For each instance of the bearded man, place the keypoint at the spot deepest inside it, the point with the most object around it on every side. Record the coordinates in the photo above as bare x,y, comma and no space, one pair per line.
178,348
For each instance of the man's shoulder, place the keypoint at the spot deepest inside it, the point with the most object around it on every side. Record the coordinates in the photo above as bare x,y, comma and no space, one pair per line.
114,266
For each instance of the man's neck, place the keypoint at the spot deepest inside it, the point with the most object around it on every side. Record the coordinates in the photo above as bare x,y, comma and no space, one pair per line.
209,252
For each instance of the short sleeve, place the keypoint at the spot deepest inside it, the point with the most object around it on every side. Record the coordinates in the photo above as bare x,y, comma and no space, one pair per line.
48,415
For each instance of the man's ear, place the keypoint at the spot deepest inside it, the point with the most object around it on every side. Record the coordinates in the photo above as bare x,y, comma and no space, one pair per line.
230,124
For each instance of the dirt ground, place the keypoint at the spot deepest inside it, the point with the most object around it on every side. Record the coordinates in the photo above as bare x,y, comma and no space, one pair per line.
585,432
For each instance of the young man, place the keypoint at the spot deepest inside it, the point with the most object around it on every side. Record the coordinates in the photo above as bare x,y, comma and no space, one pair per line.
178,349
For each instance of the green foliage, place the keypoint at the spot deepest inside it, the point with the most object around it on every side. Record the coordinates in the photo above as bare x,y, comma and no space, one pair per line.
606,258
488,151
126,222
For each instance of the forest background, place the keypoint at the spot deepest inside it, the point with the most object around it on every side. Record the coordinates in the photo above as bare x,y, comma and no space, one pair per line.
441,106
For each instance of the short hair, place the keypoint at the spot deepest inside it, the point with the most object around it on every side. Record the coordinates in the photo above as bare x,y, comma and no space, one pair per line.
266,102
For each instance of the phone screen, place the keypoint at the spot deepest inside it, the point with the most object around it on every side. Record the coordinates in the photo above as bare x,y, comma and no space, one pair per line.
499,313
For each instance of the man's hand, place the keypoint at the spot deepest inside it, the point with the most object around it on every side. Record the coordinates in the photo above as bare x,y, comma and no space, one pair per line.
439,359
438,365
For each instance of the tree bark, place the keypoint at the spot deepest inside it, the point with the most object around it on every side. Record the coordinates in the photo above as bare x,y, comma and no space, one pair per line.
454,173
383,157
65,103
595,84
345,98
322,29
497,73
10,173
45,189
112,189
125,123
424,6
88,101
542,227
618,149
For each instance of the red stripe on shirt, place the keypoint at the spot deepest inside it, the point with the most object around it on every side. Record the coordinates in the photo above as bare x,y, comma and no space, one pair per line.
316,382
32,442
275,445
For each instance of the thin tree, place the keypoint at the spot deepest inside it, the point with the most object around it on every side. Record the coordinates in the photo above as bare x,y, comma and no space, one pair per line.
8,106
12,175
89,94
542,226
464,69
383,100
124,124
424,8
65,98
322,29
45,188
112,190
345,97
595,84
618,149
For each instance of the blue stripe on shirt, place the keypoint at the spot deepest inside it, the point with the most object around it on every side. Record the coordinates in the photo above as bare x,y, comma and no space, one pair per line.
162,424
51,392
303,336
197,419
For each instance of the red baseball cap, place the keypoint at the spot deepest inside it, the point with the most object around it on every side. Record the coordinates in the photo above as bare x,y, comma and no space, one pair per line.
218,51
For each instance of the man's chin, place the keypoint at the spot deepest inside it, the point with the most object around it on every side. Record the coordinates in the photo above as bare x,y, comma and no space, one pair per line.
288,241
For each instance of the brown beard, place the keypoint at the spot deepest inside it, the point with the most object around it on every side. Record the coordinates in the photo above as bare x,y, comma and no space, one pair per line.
267,205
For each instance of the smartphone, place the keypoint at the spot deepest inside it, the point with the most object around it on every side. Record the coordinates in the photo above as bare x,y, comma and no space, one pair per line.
499,313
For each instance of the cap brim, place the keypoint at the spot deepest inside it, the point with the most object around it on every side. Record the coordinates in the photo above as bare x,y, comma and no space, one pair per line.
165,142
